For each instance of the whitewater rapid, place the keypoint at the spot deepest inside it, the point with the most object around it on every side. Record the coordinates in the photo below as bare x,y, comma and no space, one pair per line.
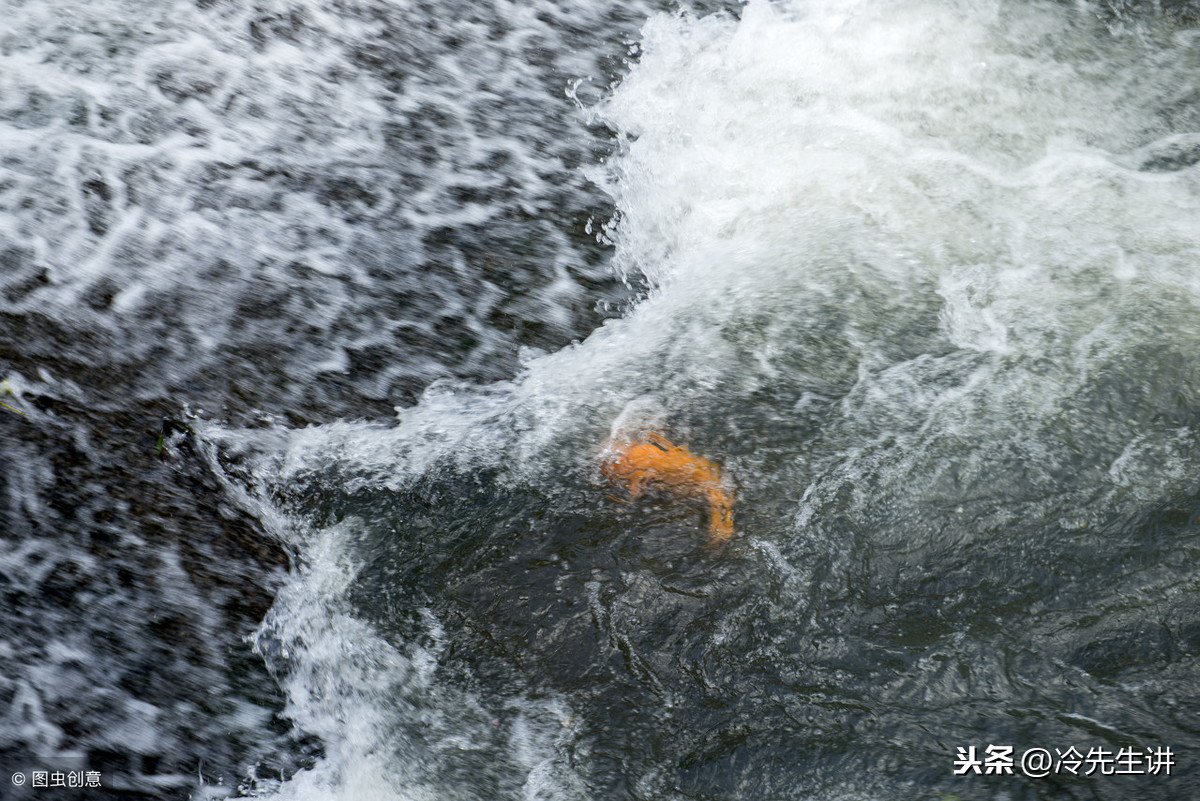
316,319
923,277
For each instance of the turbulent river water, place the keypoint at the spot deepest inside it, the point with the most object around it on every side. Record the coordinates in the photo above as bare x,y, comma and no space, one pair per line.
314,316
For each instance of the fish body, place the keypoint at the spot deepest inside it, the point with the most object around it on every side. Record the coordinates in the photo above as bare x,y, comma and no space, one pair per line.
652,459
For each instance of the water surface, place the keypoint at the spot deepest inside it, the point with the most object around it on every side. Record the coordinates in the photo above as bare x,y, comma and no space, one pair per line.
921,277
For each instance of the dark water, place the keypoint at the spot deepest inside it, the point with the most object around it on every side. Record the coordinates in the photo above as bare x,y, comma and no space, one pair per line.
921,276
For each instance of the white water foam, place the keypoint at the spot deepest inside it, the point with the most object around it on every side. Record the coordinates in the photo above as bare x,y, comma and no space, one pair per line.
929,214
391,728
373,194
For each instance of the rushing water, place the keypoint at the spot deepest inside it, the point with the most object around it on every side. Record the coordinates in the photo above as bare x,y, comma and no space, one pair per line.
924,277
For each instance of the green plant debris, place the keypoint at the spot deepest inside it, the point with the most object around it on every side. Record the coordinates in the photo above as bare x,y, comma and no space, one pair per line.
6,388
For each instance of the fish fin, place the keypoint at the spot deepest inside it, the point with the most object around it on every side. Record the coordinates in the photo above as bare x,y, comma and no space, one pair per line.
720,520
660,441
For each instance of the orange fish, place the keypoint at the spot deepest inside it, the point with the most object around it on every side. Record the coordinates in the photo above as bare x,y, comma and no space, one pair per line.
653,459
